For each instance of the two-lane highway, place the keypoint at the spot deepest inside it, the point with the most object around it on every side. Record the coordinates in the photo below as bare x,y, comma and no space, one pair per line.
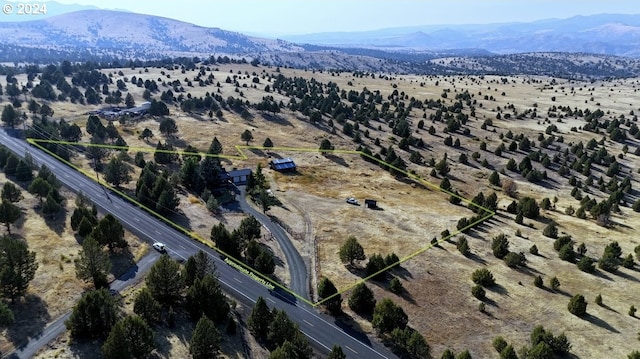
320,329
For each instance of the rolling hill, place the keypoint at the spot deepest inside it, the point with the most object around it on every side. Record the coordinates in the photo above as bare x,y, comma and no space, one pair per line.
606,34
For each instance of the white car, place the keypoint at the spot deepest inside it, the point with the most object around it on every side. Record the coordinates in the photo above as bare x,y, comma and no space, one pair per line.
160,247
352,200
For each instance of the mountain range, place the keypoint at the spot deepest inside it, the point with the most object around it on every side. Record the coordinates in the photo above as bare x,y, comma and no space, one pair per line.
607,34
514,48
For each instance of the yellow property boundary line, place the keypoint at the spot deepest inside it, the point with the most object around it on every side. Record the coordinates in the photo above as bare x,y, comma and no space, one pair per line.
237,264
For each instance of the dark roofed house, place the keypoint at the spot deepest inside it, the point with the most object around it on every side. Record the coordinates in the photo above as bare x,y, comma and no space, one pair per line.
239,176
283,165
235,176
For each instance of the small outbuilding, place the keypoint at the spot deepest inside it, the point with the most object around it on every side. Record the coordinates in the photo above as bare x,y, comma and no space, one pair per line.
371,203
283,165
236,176
240,176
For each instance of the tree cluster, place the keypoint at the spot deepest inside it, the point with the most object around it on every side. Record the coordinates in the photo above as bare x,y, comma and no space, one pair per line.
279,333
241,244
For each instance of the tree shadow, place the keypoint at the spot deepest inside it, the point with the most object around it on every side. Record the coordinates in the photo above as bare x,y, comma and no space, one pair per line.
85,348
57,221
177,142
609,308
31,317
490,302
258,152
182,330
338,160
626,276
599,322
274,155
601,274
406,296
497,288
530,271
476,258
401,272
122,262
352,328
277,119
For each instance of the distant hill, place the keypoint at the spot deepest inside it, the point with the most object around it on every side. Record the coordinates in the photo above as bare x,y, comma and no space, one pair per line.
608,34
126,34
539,48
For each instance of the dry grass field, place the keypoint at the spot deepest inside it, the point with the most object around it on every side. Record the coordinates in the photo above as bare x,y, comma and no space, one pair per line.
438,282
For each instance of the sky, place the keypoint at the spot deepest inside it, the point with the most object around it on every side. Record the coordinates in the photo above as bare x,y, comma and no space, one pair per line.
289,17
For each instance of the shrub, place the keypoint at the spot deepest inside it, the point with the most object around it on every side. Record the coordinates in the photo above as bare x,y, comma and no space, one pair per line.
463,246
537,281
587,264
632,311
628,261
499,344
483,277
551,231
554,283
514,260
395,286
529,207
478,292
577,305
598,299
500,246
533,250
567,253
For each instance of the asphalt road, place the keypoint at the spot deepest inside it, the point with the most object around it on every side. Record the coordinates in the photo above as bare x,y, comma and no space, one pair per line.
297,268
323,331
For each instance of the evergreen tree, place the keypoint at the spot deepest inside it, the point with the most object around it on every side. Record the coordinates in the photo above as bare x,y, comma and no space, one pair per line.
326,289
246,136
146,306
11,193
39,187
577,305
205,341
17,267
130,338
205,297
351,251
109,232
388,316
375,267
260,319
336,353
494,178
93,263
197,267
281,328
362,300
500,246
224,241
117,172
9,213
165,281
611,258
23,171
51,206
93,315
6,315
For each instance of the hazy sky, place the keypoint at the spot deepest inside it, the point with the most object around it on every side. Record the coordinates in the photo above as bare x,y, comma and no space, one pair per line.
280,17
